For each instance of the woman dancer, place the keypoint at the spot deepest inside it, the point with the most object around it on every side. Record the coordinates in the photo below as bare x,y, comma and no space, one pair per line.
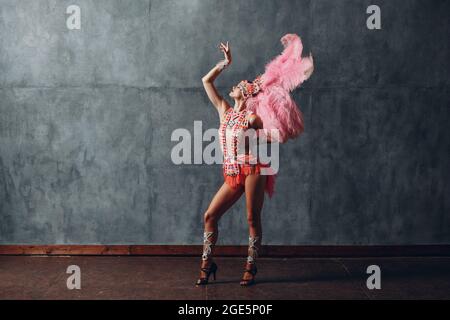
264,105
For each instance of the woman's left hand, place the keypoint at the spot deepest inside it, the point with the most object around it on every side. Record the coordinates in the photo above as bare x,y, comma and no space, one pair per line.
226,51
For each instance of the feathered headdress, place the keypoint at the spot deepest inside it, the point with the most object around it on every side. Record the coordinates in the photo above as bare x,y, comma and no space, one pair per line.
270,97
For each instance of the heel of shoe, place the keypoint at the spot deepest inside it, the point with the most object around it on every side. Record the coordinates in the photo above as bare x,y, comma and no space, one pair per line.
214,270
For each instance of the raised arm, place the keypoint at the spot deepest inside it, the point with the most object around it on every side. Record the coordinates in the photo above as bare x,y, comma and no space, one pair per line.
208,80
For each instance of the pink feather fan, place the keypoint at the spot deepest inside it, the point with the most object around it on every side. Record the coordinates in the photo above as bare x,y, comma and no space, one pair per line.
274,104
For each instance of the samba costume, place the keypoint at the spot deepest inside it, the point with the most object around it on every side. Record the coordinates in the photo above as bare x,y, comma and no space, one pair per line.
268,96
236,167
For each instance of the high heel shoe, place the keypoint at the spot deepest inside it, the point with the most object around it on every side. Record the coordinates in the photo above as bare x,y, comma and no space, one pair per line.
249,282
204,280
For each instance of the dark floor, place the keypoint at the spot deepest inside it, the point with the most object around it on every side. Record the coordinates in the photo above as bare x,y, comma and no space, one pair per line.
122,277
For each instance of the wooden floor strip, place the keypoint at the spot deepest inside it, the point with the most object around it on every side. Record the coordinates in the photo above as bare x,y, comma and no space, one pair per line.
193,250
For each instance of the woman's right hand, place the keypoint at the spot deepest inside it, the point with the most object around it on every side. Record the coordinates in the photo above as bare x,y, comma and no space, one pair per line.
226,51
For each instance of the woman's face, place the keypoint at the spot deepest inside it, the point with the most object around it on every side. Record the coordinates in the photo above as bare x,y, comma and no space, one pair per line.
236,93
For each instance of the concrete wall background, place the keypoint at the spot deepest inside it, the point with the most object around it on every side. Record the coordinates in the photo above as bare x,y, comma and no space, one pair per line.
86,118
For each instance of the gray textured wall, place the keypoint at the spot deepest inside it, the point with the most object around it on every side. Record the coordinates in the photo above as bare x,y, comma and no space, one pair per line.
86,118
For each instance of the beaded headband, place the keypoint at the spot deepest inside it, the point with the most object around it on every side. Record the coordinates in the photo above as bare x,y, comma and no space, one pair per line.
249,89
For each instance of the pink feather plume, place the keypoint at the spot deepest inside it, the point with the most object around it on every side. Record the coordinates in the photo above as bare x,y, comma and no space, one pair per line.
282,75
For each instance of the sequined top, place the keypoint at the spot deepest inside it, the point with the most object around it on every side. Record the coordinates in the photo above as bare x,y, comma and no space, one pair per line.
231,134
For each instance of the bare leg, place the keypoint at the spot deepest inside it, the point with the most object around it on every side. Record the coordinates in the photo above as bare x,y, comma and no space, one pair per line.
221,202
254,192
